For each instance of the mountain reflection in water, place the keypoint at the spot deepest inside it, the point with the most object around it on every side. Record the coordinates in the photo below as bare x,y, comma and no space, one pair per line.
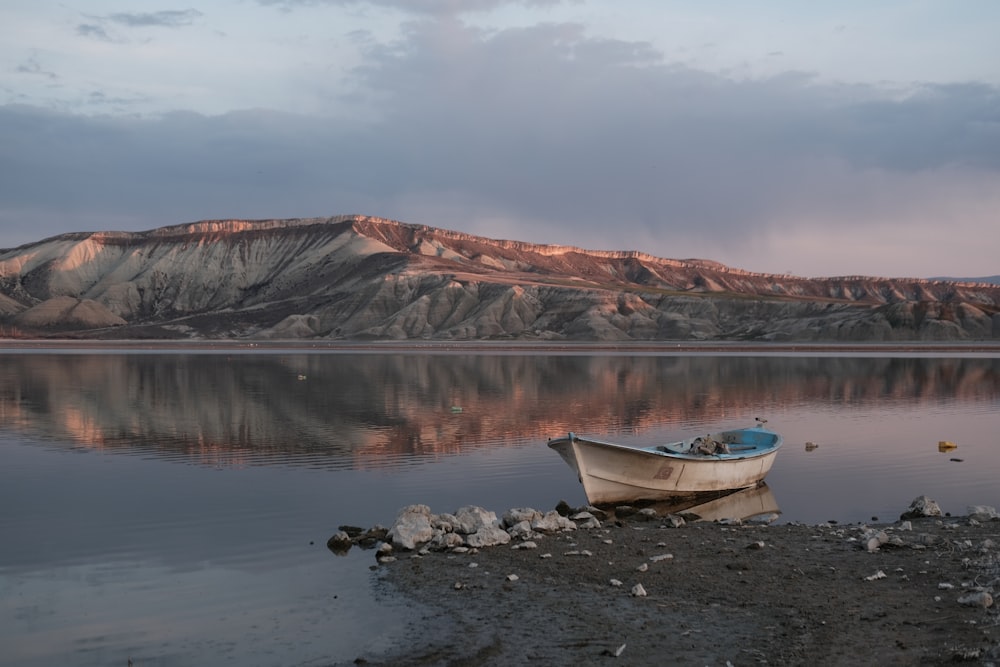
371,410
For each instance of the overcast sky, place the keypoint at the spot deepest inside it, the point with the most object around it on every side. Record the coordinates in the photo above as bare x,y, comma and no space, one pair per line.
815,138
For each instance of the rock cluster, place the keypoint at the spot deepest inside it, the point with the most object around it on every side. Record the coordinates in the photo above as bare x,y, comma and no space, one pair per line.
473,527
418,529
983,559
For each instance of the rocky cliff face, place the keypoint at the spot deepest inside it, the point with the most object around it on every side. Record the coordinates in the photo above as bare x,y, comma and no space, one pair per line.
355,277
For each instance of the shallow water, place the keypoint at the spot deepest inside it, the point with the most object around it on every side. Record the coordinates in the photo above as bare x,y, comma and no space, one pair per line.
174,508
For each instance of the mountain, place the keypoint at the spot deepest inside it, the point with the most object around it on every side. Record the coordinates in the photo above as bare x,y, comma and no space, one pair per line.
359,277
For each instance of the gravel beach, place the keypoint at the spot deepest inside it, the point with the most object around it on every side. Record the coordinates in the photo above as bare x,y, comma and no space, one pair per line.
638,590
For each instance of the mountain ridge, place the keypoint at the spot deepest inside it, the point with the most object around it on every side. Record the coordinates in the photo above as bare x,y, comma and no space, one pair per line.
364,277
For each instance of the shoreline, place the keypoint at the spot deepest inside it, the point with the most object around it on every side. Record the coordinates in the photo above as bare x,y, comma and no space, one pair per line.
566,347
649,592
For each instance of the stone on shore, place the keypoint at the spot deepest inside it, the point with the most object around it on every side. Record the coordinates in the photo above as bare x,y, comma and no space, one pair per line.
472,519
517,515
412,527
922,506
340,542
488,536
552,522
982,513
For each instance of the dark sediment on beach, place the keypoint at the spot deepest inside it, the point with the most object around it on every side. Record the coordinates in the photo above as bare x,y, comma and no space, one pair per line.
640,591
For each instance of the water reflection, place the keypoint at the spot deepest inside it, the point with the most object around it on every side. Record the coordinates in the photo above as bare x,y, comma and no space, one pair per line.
375,410
757,502
109,556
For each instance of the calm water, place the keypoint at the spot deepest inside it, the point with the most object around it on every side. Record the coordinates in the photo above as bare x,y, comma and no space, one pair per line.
174,508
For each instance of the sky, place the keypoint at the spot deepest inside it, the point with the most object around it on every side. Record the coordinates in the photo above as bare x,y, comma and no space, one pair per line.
812,138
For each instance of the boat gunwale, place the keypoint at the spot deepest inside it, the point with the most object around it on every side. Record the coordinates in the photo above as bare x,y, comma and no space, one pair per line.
656,450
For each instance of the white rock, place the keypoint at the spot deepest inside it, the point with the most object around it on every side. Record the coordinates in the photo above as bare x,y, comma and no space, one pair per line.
525,545
412,527
878,575
521,531
638,591
552,522
487,536
982,513
444,522
874,539
512,577
616,582
922,506
658,558
516,515
471,519
442,540
643,567
945,586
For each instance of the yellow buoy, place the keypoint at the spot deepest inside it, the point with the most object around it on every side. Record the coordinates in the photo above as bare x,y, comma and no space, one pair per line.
946,446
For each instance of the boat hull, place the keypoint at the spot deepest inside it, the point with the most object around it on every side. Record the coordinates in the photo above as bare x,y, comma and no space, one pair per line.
612,473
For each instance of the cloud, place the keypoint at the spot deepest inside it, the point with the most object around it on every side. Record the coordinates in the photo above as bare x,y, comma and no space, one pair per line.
32,67
551,135
419,7
93,30
171,18
97,27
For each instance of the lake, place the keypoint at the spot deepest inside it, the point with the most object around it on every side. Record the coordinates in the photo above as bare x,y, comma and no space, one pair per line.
172,507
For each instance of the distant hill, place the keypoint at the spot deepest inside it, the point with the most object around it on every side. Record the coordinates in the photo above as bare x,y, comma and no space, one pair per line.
364,278
993,280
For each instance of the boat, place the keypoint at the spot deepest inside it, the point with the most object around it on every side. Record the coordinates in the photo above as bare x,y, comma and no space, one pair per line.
721,461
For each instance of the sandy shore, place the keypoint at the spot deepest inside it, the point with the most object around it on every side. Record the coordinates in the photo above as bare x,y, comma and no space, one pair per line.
715,594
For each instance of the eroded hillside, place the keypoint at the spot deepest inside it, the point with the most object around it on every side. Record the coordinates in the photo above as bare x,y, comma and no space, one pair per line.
356,277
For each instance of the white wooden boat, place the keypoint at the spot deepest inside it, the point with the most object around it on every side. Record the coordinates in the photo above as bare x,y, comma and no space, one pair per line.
719,461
